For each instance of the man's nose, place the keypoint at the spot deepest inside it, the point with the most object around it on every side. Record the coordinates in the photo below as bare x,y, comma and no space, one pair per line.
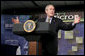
52,10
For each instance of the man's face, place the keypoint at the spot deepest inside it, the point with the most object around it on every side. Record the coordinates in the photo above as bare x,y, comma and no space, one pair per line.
50,11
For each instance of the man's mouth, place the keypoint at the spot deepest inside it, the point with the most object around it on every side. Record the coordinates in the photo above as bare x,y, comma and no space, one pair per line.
51,13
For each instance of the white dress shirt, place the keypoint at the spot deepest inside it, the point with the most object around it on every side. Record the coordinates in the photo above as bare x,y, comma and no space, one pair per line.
47,19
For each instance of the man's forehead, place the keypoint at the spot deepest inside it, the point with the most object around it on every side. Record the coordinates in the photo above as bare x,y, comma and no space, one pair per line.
50,6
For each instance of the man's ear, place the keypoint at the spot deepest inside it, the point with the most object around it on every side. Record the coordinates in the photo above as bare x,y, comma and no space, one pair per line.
46,11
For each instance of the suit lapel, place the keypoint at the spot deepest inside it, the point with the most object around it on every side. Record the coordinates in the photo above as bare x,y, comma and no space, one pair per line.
53,20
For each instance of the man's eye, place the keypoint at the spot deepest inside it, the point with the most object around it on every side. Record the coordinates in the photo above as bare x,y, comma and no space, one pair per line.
51,9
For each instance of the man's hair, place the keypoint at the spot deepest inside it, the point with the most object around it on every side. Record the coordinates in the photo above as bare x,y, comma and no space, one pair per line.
48,6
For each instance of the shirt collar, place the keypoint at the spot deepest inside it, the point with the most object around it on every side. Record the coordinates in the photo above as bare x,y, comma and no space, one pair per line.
47,17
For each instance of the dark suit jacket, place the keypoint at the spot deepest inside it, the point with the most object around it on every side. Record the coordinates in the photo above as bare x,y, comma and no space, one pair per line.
50,43
59,24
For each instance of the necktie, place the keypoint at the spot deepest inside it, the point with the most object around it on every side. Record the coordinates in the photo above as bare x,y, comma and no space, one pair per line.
49,20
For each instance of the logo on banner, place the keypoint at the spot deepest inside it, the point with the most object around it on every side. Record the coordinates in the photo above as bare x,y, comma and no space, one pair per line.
65,16
29,26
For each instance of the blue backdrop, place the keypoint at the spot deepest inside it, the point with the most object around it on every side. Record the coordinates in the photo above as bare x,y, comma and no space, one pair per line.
7,36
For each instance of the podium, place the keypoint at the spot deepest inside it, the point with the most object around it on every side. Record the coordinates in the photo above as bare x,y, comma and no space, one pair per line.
33,38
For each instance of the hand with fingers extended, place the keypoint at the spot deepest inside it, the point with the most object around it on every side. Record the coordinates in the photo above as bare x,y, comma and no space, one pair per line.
15,20
77,19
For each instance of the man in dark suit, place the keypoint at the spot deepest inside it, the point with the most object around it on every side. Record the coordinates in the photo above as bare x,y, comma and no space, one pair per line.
50,43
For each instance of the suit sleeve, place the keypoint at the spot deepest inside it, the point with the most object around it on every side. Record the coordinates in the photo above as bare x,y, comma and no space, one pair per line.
66,26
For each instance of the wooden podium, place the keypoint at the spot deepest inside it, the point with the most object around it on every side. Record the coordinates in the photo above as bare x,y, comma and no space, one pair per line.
33,38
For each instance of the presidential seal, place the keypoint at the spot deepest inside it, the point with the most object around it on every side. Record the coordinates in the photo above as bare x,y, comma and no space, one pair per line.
29,26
